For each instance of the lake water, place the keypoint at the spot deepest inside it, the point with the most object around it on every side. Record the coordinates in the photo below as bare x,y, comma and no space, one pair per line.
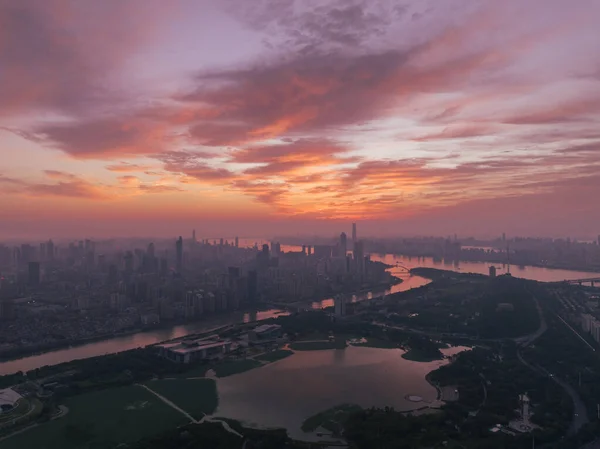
285,393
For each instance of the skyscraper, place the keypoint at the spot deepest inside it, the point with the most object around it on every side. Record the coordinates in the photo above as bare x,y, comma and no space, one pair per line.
194,236
179,254
252,285
359,256
353,232
50,250
34,273
237,242
343,244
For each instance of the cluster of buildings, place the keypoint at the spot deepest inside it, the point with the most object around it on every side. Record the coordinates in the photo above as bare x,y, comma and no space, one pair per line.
591,325
214,347
564,253
54,293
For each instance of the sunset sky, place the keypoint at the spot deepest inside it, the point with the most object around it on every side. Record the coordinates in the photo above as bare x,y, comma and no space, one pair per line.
262,117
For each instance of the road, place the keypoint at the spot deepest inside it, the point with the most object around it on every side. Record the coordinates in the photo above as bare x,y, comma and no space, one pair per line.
580,417
205,418
169,403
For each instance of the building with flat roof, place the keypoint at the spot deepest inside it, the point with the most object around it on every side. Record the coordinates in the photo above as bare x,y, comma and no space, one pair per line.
265,332
191,350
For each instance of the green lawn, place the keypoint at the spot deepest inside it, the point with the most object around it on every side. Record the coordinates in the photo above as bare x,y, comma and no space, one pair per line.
196,396
317,345
101,419
273,356
314,336
196,371
20,409
235,367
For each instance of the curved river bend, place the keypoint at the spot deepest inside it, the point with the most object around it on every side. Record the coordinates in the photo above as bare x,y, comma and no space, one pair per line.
400,264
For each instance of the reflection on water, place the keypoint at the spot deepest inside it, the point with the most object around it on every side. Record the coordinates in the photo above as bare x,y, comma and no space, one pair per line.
400,264
127,342
285,393
525,272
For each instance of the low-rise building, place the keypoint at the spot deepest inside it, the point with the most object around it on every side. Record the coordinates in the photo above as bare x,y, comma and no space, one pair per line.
191,350
265,332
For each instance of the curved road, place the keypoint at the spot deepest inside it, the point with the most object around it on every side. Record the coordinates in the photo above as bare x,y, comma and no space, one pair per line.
580,417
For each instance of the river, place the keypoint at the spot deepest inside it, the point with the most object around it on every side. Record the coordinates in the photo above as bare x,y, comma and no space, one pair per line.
400,266
127,342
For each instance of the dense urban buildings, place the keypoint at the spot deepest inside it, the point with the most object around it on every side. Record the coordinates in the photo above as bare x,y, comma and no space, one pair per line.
54,294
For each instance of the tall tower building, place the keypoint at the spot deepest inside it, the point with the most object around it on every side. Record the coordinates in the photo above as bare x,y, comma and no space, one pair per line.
359,256
343,244
34,273
194,236
50,250
237,242
179,254
353,232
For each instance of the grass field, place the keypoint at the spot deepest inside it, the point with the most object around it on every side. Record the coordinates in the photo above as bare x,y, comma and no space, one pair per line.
273,356
235,367
197,371
20,408
102,419
196,396
317,345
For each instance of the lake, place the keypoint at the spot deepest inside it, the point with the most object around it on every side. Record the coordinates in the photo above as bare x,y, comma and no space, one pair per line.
285,393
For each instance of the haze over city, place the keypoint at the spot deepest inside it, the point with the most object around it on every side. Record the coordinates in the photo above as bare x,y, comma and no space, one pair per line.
248,118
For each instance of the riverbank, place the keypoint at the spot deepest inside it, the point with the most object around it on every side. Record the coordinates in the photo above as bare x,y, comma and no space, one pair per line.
170,331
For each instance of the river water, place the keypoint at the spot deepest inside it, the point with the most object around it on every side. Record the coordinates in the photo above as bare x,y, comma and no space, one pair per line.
400,266
127,342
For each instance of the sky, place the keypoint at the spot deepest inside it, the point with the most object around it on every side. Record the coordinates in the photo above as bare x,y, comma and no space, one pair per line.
263,117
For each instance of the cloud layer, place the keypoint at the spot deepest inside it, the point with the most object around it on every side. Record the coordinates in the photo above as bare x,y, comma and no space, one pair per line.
354,110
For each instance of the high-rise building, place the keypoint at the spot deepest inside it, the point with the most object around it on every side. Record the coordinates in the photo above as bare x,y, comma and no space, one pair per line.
194,236
340,305
50,250
179,254
252,286
129,262
343,244
353,232
34,273
359,256
492,271
151,250
237,242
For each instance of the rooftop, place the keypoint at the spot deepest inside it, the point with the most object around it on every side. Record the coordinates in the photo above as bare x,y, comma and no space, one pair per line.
9,396
187,349
266,328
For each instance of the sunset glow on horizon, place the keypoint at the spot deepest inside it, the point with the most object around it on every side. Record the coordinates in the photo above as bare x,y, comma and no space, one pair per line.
124,118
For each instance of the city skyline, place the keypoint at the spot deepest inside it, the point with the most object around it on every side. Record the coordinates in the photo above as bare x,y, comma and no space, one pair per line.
411,118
